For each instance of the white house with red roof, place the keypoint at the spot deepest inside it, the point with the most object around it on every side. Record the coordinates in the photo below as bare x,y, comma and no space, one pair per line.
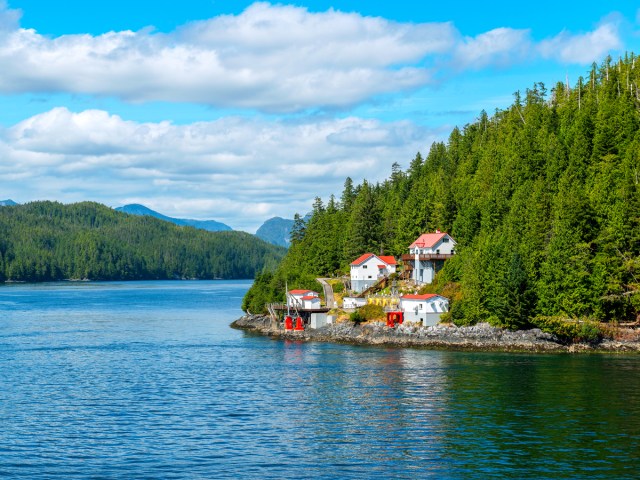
303,299
369,268
427,255
425,309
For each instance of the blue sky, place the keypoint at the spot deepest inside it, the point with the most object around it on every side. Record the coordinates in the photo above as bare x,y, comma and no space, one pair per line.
240,111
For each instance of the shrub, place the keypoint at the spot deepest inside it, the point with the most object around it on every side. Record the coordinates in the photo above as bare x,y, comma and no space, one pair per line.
366,313
356,317
570,331
338,287
372,312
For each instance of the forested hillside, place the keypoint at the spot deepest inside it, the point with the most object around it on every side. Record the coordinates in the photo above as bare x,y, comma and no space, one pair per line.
543,199
44,241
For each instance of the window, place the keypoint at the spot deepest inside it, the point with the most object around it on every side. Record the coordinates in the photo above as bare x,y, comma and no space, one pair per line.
445,240
369,276
364,266
420,306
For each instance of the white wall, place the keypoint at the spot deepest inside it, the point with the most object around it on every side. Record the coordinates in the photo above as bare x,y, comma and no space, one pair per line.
352,302
368,273
318,320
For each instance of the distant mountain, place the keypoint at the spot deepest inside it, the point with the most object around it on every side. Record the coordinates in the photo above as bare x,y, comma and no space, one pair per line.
7,203
276,231
209,225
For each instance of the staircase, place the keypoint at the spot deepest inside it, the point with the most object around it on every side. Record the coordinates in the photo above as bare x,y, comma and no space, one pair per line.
376,287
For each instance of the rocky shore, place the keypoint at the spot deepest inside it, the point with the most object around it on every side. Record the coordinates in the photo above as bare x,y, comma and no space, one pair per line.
481,337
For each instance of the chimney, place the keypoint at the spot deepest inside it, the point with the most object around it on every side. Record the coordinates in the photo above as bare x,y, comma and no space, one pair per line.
438,231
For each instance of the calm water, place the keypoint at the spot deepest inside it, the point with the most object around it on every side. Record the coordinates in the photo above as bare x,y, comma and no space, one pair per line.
146,380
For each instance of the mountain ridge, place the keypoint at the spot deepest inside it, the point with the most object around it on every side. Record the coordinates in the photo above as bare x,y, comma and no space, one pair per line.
276,230
142,210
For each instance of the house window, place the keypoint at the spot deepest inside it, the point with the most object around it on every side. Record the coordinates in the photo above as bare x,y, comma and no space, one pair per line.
420,306
364,266
438,251
445,240
369,276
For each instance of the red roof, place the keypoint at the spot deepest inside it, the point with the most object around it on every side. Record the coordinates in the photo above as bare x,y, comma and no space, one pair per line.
299,292
426,296
362,258
427,240
310,297
388,259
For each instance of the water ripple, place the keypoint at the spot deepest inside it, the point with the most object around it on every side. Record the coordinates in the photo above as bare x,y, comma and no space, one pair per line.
172,392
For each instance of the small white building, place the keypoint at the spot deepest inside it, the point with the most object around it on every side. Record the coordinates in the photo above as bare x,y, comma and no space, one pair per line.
427,255
318,320
425,309
369,268
303,299
353,302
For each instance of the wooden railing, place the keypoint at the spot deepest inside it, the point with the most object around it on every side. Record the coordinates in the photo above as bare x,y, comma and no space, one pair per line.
407,257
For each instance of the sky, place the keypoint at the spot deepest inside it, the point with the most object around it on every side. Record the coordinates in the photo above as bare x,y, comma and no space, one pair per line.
240,111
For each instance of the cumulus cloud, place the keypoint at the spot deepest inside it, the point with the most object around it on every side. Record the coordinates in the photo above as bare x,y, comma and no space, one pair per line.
270,57
500,46
237,170
586,47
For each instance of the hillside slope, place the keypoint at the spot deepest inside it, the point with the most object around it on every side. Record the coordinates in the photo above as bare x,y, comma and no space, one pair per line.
543,199
276,231
44,241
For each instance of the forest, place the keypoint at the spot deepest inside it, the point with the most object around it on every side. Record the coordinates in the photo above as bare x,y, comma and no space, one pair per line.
543,198
49,241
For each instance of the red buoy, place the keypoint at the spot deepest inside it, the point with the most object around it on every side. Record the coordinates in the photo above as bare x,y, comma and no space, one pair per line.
299,324
390,322
288,323
394,318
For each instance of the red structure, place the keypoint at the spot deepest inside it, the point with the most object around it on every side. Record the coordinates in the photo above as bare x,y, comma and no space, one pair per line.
288,323
394,318
299,324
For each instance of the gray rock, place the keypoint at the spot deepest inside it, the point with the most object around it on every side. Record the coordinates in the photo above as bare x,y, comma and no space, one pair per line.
479,337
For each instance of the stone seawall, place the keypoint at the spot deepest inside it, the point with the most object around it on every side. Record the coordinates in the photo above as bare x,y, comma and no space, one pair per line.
481,337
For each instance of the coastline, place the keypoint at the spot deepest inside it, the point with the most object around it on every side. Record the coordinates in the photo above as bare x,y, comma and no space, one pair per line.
481,337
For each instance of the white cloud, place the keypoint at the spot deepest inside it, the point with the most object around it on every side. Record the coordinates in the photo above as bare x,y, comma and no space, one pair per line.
583,48
272,58
236,170
9,19
500,46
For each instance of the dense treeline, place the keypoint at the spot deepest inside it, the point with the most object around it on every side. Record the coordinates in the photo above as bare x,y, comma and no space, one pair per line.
44,241
543,199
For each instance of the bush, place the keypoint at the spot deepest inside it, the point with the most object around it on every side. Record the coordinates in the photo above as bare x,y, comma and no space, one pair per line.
356,317
338,287
570,331
372,312
366,313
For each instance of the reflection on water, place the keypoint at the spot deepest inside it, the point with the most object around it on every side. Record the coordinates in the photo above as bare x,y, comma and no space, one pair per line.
147,380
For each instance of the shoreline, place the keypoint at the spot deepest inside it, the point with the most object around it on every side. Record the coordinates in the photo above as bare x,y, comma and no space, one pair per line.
480,337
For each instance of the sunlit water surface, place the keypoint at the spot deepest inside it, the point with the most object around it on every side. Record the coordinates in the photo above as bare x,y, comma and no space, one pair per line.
147,380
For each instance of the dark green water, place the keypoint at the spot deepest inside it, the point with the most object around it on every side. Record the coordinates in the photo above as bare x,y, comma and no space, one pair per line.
146,380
